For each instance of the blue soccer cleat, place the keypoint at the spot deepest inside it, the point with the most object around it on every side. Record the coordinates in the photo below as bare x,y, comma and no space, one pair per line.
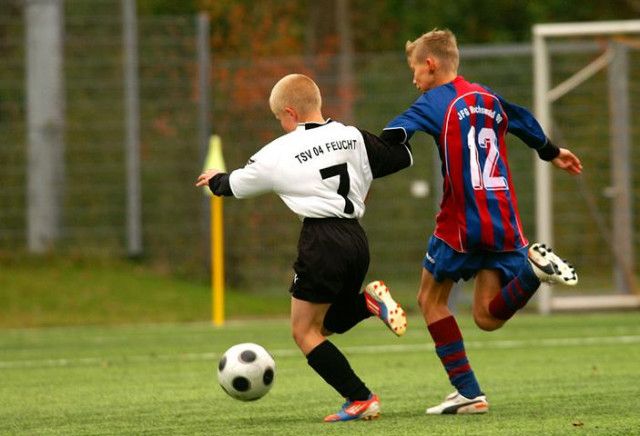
353,410
381,304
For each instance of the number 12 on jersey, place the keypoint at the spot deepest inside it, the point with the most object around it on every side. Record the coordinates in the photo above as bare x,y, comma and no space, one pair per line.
482,178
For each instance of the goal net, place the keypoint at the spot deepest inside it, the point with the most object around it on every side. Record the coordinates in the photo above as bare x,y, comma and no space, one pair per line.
586,94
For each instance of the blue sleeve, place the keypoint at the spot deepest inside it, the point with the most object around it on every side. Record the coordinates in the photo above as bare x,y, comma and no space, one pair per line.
419,117
523,124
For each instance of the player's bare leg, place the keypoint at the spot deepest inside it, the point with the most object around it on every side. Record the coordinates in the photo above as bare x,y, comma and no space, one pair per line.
468,398
486,286
307,330
306,324
433,298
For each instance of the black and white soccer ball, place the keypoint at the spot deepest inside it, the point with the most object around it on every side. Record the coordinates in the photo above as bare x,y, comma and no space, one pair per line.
246,371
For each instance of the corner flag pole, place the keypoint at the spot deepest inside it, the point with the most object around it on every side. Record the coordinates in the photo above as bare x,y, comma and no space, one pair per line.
215,160
217,261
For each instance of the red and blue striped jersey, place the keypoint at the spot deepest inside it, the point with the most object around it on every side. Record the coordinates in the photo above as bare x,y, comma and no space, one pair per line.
469,123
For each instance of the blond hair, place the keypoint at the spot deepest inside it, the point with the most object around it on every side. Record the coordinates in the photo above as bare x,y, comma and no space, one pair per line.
439,44
298,92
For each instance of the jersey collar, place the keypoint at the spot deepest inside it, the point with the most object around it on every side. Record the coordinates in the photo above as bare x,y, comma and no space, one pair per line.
313,125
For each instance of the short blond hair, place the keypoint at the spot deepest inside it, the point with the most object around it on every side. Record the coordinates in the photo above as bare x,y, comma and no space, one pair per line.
439,44
298,92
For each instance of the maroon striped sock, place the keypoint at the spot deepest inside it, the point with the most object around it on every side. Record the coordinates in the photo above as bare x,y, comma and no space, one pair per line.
515,295
450,349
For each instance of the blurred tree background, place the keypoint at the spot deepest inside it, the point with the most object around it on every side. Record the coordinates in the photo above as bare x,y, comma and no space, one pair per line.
354,50
272,27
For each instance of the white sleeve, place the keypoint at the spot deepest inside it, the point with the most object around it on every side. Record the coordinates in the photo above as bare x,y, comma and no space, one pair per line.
256,177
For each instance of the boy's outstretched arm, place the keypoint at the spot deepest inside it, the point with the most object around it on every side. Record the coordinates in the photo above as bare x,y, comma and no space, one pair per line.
217,181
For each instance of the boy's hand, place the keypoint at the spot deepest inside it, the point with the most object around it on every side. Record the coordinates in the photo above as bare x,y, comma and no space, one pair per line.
568,162
203,179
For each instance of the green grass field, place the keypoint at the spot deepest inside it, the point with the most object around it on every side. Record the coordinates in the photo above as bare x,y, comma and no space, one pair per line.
558,375
44,292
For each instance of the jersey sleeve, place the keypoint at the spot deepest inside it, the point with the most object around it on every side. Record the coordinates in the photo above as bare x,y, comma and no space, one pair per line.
388,153
409,122
256,177
420,117
219,185
523,124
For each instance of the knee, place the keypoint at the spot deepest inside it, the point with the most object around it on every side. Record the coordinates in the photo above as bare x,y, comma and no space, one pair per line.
423,300
326,332
298,336
486,322
430,301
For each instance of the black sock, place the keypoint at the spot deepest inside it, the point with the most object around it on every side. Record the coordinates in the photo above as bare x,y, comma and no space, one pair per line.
334,368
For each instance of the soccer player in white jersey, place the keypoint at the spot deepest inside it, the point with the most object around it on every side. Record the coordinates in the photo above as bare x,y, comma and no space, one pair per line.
322,170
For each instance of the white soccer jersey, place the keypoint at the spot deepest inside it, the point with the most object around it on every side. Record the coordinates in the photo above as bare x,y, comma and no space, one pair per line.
320,170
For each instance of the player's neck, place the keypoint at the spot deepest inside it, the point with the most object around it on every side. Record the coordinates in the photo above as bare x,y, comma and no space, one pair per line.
445,78
314,117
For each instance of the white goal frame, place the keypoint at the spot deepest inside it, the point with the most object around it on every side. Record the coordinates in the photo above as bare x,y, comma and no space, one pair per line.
543,97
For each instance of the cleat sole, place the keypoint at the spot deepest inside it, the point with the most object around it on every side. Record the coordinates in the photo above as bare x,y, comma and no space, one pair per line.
381,304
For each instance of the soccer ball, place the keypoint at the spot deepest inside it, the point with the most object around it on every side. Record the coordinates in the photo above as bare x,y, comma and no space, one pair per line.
246,371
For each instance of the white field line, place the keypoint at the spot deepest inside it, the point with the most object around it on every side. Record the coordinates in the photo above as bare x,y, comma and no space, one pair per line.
287,352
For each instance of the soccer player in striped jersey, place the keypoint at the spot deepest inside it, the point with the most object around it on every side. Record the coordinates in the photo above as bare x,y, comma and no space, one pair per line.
478,232
322,170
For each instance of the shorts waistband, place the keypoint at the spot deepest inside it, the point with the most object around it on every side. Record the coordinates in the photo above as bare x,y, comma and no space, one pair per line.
329,220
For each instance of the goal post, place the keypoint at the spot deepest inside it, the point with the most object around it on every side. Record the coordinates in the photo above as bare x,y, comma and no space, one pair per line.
621,247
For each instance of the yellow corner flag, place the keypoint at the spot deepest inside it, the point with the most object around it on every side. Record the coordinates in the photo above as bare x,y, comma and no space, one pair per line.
214,159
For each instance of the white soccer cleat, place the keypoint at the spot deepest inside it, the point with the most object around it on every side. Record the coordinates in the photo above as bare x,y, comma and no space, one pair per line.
549,268
456,403
381,304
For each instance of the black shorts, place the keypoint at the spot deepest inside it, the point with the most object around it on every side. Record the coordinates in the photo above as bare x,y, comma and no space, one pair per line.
333,259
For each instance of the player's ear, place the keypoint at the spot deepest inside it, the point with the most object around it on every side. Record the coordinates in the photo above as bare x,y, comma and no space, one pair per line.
432,63
292,113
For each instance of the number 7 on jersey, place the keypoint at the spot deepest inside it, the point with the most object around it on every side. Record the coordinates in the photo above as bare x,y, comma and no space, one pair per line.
344,184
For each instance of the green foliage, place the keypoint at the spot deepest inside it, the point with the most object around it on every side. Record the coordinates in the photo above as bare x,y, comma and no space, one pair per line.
557,375
386,25
167,7
253,44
